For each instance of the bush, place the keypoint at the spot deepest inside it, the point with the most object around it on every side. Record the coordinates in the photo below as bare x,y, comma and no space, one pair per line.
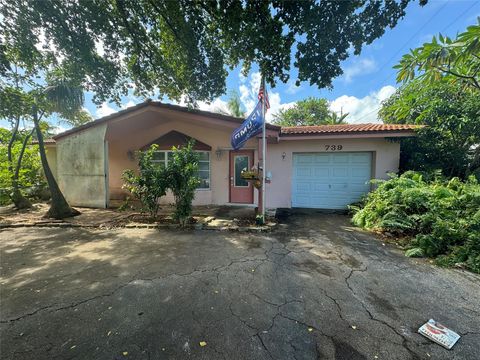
439,218
153,180
30,175
150,184
183,180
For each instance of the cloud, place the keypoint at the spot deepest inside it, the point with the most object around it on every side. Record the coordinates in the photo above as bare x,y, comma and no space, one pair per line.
130,103
362,110
104,110
292,88
249,95
358,67
218,106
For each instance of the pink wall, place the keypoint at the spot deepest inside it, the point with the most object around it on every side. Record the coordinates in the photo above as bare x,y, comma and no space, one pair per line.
131,134
386,157
136,130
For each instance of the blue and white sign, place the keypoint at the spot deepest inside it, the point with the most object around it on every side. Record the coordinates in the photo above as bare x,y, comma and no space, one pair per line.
252,126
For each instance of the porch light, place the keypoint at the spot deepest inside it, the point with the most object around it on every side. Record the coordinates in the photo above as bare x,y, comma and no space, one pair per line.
284,155
218,153
131,155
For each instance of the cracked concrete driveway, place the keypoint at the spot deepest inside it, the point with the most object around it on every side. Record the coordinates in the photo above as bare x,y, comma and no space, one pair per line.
315,288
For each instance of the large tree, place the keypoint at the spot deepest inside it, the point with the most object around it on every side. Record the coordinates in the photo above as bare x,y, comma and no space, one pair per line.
183,48
453,60
451,139
308,112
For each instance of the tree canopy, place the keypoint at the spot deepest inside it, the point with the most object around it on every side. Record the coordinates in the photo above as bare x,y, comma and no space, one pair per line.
184,48
308,112
454,60
451,140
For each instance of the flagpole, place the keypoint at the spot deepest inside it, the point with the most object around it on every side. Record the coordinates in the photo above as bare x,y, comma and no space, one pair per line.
264,170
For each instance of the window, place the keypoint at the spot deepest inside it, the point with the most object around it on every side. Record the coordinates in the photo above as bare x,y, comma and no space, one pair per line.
162,158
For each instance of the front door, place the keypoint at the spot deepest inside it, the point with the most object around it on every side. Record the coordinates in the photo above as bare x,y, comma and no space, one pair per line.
241,191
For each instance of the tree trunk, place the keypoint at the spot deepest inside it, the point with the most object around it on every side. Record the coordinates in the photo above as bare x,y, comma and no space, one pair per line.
20,201
59,208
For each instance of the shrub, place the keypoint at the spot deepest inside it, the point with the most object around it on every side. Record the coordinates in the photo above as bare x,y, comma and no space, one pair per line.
153,180
183,180
440,218
150,184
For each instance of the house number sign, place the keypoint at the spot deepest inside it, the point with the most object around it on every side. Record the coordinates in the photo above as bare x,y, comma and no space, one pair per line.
333,147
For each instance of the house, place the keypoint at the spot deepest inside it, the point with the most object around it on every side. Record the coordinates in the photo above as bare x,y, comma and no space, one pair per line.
309,166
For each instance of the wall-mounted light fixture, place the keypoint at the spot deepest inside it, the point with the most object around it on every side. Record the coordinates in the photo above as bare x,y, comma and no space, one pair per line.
284,155
131,155
218,153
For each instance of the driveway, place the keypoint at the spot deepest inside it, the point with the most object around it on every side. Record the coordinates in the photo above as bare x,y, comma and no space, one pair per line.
315,288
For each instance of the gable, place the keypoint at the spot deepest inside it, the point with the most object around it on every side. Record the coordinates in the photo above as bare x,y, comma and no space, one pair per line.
177,139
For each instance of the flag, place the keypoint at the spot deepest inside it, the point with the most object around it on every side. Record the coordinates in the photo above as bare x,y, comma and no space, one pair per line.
252,126
262,93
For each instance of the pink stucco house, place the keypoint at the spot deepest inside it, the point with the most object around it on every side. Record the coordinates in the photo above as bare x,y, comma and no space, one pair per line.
314,166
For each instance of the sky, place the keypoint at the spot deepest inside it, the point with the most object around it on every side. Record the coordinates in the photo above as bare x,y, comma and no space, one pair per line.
368,79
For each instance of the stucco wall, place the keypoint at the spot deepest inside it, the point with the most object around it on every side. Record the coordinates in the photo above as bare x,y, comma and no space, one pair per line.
278,192
52,159
121,140
81,167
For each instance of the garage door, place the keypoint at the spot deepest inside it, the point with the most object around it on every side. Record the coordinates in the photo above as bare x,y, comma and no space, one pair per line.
330,180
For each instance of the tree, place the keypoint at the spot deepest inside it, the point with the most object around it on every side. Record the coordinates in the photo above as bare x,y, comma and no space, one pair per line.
13,177
183,48
451,140
234,106
183,180
310,111
455,60
335,119
151,182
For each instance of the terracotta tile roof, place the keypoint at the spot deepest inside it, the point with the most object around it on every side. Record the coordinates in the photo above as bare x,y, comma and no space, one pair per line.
347,128
46,141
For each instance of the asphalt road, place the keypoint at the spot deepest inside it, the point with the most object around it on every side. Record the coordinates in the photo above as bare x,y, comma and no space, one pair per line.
315,288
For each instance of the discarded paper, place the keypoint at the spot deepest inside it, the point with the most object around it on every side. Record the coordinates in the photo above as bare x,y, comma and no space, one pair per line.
439,333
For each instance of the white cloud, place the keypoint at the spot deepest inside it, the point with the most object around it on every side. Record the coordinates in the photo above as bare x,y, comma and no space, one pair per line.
218,106
362,110
130,103
60,129
249,95
104,110
292,88
358,67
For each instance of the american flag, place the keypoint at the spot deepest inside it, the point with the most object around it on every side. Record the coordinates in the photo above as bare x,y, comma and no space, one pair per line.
260,97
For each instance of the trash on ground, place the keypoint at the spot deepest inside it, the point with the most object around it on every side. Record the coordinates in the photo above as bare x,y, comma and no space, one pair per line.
439,333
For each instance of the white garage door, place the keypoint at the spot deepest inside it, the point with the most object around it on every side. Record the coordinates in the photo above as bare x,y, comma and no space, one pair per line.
330,180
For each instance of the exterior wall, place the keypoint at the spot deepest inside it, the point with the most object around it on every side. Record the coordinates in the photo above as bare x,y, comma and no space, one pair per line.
119,146
385,159
81,167
52,159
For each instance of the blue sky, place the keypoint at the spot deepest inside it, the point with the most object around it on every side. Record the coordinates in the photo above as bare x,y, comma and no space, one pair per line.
368,78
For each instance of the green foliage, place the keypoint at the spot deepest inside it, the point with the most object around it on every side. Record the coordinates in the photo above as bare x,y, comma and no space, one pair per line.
440,218
30,174
184,47
453,60
183,180
450,141
308,112
153,180
150,184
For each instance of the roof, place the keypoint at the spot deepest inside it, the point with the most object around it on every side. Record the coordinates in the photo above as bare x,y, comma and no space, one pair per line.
158,105
346,128
48,141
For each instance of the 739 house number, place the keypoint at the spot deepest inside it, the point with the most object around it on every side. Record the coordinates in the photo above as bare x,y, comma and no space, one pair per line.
333,147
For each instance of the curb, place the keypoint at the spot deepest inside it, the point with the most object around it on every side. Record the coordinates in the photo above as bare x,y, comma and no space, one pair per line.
234,228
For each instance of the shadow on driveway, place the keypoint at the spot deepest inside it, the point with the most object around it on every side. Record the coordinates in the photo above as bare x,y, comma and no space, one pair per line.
315,288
